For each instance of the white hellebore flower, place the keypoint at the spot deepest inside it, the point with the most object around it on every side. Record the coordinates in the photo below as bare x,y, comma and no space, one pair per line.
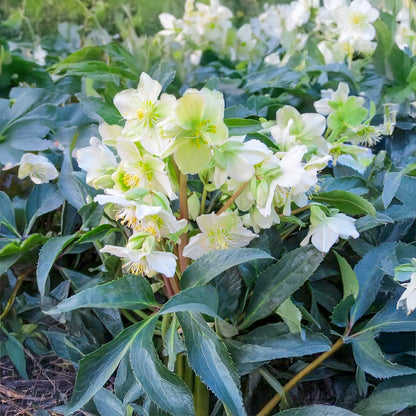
37,167
99,163
218,232
336,98
236,159
148,213
325,231
143,170
141,257
146,114
408,299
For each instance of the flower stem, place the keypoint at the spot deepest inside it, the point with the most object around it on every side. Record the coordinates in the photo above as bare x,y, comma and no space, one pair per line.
203,200
12,297
298,377
298,210
234,196
183,210
201,397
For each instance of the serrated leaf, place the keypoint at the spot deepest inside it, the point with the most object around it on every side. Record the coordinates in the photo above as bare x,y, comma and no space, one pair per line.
47,256
370,358
318,410
369,273
209,358
210,265
165,388
128,292
346,202
97,109
97,367
390,318
195,299
276,346
279,281
349,279
340,313
388,401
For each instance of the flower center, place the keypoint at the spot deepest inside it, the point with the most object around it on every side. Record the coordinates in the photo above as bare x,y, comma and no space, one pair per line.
139,268
220,238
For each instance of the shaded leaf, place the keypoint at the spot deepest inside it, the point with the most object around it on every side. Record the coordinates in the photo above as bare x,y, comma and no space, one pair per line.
211,264
279,281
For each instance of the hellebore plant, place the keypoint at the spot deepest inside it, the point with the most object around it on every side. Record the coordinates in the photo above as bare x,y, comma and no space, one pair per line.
179,200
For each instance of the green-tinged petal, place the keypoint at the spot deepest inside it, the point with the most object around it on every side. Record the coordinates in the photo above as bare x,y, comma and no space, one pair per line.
192,156
190,110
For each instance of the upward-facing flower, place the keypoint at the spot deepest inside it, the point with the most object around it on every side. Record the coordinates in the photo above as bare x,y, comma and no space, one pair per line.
218,232
200,126
37,167
142,258
146,114
141,170
325,231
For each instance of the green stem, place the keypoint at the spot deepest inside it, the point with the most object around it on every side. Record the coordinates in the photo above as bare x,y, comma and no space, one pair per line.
203,200
183,209
201,398
12,297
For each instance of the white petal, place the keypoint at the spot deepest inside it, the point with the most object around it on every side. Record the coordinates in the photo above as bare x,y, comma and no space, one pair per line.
196,247
324,238
128,103
162,262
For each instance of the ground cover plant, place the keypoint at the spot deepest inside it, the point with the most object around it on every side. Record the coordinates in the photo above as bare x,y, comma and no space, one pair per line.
213,215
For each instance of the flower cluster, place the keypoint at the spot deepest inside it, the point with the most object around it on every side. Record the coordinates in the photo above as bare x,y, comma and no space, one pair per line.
339,29
142,166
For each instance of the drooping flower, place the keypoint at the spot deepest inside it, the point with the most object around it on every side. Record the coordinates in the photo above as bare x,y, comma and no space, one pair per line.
37,167
218,232
325,231
142,258
408,299
99,162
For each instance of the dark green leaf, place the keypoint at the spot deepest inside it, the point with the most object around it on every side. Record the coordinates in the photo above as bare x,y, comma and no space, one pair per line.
340,314
209,358
97,367
280,280
240,126
370,358
43,199
369,273
47,256
318,410
17,355
108,404
165,388
210,265
195,299
388,401
7,213
97,109
128,292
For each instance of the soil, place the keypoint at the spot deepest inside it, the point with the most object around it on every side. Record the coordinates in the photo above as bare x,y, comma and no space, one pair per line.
50,384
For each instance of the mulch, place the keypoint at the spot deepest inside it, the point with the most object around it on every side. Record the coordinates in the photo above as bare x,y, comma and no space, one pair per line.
50,384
